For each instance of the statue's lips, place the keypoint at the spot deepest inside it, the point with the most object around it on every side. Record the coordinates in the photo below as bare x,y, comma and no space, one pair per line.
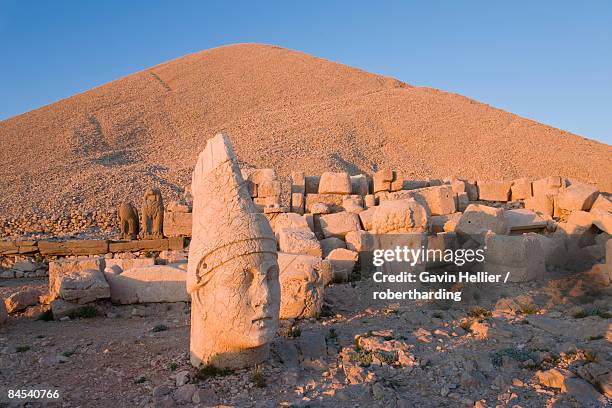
261,319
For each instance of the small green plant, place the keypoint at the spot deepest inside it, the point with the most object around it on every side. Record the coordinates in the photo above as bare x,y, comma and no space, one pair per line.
67,353
332,335
173,366
22,349
592,311
479,312
529,310
597,337
159,328
590,356
140,380
258,378
85,312
211,370
362,357
513,353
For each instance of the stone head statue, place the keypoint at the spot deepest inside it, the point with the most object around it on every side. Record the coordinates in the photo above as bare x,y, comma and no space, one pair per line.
233,269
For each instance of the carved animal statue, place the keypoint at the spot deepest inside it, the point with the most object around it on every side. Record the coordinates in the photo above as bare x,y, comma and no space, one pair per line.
129,226
152,215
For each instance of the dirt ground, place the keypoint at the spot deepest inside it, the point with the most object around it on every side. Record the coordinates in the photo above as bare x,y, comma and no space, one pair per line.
359,353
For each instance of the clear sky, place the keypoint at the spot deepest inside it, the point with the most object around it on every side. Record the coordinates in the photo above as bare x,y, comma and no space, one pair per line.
550,61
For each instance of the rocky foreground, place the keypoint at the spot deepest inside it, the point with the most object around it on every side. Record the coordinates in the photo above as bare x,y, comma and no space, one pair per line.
534,344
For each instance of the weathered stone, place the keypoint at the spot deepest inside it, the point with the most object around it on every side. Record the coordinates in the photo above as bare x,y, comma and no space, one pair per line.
27,247
602,203
61,308
338,224
584,393
333,201
177,224
311,184
153,245
152,213
444,223
602,220
494,190
398,217
478,219
329,244
8,248
297,203
437,245
369,201
359,241
74,247
462,201
335,183
521,189
129,226
367,216
298,183
233,270
522,220
547,186
121,265
78,280
360,185
438,200
553,378
387,180
299,241
343,262
288,220
21,300
353,204
301,286
542,203
177,206
576,197
521,255
147,284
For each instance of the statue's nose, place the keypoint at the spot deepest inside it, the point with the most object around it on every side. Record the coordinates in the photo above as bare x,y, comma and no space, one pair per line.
261,291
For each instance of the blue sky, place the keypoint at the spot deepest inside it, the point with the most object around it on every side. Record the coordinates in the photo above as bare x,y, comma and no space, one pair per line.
550,61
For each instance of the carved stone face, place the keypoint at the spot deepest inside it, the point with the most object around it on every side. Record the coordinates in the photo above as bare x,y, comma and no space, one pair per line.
241,301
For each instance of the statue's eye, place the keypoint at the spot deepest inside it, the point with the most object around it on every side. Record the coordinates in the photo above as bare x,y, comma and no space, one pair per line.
202,265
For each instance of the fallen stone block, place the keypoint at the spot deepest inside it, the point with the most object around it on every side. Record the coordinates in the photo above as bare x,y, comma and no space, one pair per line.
602,203
288,220
301,286
522,220
438,200
27,247
329,244
542,203
478,219
387,180
369,201
339,224
298,182
152,245
151,284
78,280
521,189
494,190
367,216
360,185
520,255
547,186
444,223
334,201
297,203
177,224
398,217
61,308
21,300
121,265
353,204
8,248
576,197
177,206
73,248
342,262
437,245
299,241
359,241
335,183
602,220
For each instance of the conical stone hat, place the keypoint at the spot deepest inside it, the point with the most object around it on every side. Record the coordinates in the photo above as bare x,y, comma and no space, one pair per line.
225,222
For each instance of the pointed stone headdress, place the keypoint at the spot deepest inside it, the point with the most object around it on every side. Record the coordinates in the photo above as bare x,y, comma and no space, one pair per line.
225,222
